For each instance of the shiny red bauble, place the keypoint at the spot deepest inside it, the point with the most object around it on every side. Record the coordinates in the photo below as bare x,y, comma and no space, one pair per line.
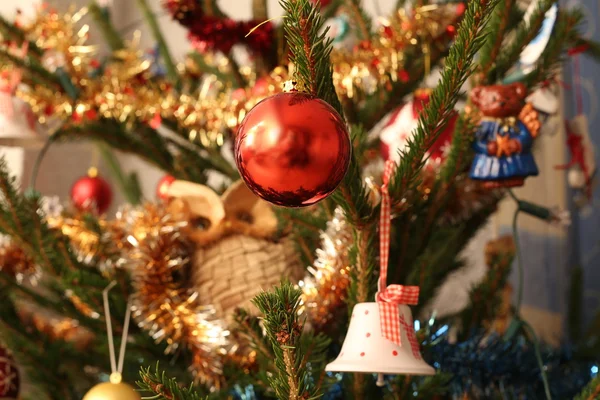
162,188
10,381
91,193
292,149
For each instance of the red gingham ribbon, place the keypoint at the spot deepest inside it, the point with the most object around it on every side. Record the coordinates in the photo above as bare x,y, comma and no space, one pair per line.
389,297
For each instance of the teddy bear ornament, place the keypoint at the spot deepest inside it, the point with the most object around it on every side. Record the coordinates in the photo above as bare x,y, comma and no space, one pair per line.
505,136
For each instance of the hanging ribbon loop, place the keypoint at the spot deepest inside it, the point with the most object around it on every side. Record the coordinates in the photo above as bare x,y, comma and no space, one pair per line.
390,297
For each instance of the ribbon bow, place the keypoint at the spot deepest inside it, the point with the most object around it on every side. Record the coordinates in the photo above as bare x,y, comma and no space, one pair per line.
389,297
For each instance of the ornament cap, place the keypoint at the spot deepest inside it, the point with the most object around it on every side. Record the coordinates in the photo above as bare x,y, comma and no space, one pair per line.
116,378
92,172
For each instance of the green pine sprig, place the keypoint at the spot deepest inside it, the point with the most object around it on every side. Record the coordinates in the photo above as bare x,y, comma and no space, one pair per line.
496,30
163,387
524,34
459,66
102,19
299,357
591,391
460,150
361,20
564,35
352,195
310,50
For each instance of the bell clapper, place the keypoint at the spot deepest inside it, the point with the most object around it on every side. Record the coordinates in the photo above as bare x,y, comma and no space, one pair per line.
380,381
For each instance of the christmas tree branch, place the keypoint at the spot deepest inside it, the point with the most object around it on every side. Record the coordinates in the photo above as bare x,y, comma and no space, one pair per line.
129,184
360,18
32,71
173,156
384,101
10,30
163,387
486,297
496,30
163,48
279,309
564,34
459,66
525,33
331,10
591,391
460,150
112,37
310,50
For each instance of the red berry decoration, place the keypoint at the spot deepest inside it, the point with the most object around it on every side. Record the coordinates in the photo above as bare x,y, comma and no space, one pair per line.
162,188
9,376
91,193
292,149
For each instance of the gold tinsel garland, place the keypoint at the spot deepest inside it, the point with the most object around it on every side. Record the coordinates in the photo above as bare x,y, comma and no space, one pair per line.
15,263
149,242
324,289
158,257
125,89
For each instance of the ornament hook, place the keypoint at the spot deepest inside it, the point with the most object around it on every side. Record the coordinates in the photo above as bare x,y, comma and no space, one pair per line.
116,369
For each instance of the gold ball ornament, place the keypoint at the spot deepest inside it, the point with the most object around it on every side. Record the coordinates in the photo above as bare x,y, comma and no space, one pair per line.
113,390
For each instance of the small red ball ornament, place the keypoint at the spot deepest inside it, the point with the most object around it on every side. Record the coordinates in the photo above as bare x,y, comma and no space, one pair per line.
91,193
292,149
162,188
9,376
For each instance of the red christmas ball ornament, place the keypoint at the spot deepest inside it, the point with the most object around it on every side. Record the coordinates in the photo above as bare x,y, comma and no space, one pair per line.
91,193
292,149
162,188
10,380
400,127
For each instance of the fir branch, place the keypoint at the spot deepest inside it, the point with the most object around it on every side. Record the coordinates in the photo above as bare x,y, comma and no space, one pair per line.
249,326
284,330
9,29
310,50
163,387
32,71
129,184
591,391
549,63
486,297
352,195
356,11
525,33
205,67
163,48
460,149
496,31
591,47
459,66
112,37
331,10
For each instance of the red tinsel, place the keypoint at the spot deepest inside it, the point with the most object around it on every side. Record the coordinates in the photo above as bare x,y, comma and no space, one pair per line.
210,33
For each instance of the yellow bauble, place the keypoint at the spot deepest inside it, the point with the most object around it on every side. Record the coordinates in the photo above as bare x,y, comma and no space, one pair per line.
112,391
